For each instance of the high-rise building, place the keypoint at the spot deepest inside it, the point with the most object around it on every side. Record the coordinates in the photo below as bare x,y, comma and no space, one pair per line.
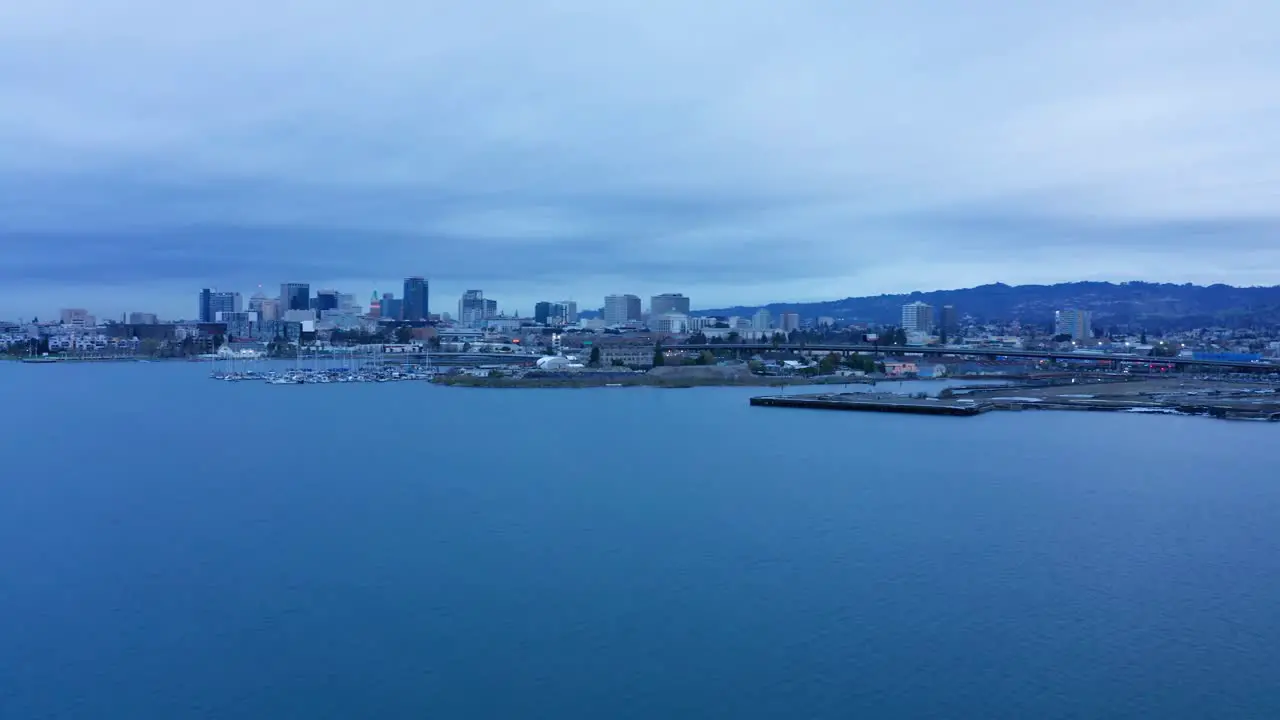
471,307
326,300
295,296
950,321
375,305
206,313
669,303
542,312
415,299
788,321
1076,323
621,309
490,308
570,311
225,302
391,308
762,320
268,309
917,317
142,318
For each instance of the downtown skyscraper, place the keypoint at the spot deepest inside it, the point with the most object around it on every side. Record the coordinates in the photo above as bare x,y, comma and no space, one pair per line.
416,295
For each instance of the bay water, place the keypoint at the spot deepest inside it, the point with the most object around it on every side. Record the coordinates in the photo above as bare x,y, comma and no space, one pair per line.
176,547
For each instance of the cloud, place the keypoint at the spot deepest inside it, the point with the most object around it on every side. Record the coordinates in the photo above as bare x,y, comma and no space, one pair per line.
730,150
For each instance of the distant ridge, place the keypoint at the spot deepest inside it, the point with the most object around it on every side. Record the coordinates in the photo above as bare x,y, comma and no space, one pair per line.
1155,306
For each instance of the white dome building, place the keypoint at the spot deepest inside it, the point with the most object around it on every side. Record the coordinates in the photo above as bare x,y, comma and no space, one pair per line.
553,362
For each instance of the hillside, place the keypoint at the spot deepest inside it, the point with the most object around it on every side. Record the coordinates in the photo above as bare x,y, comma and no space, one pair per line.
1132,304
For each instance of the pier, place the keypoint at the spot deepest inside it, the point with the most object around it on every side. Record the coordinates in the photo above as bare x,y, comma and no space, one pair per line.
1232,401
872,402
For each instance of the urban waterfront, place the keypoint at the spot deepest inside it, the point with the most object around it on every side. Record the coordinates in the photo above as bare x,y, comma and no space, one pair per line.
180,548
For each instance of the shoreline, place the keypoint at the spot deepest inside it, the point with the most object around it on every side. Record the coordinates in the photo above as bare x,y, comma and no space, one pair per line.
639,380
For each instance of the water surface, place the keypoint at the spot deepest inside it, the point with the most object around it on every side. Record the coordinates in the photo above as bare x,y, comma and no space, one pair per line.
174,547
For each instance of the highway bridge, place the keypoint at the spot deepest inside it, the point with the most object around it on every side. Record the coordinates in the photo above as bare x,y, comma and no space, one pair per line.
995,353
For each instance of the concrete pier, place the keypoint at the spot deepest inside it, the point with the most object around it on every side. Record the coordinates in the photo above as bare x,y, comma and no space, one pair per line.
869,402
1235,401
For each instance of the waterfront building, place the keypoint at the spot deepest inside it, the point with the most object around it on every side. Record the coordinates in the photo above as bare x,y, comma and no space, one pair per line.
621,309
668,303
239,324
917,317
1078,324
295,296
762,320
416,292
205,313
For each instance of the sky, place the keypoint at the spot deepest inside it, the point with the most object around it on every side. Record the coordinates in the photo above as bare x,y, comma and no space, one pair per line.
739,151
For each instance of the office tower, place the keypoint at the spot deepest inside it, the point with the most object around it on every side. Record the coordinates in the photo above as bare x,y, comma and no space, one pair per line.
762,320
295,296
391,308
228,302
142,318
326,300
950,321
1076,323
415,299
668,304
206,313
490,308
542,312
268,309
917,317
570,311
789,321
621,309
471,307
375,305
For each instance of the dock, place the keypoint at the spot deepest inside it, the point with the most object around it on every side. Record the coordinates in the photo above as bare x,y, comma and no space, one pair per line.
872,402
1161,397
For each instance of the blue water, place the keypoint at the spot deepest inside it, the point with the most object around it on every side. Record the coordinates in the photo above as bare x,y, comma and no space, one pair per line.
173,547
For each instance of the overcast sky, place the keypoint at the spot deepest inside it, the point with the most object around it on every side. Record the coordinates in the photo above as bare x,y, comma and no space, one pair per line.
740,151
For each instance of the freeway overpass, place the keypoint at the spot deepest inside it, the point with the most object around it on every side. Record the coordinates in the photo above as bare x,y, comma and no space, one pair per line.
993,352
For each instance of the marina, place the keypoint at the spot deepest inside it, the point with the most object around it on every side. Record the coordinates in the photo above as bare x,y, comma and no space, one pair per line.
318,369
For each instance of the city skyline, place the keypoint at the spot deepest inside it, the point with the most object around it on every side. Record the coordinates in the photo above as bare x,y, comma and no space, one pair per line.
753,152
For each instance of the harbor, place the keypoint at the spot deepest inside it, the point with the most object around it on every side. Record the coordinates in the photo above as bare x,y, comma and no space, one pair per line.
1165,396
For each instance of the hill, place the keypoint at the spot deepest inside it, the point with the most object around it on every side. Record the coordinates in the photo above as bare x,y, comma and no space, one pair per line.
1153,306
